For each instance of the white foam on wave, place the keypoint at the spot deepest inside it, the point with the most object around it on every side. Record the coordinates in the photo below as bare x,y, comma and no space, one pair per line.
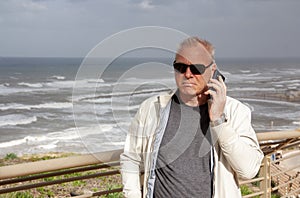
43,140
245,71
296,123
117,93
28,140
251,89
53,105
281,103
5,85
59,77
124,107
99,100
5,90
96,81
67,135
142,81
84,83
48,146
16,119
254,74
33,85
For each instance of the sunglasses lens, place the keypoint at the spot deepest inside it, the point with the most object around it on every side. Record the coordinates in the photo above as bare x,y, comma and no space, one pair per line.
180,67
195,69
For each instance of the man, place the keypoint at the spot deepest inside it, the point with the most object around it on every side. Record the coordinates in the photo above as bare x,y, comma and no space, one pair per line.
195,142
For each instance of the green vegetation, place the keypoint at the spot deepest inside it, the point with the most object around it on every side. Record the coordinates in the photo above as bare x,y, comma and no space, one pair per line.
10,156
275,196
114,195
44,192
17,195
245,190
79,183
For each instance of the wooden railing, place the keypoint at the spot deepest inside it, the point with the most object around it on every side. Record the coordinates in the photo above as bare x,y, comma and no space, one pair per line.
272,177
102,164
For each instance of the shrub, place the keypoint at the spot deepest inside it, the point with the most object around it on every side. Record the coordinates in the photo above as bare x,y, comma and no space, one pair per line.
10,156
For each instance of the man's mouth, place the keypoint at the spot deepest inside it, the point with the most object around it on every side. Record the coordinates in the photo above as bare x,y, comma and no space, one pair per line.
188,84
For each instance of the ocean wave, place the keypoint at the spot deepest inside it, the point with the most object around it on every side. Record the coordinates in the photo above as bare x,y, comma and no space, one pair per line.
144,81
32,85
15,119
96,81
251,89
120,94
96,100
79,85
5,85
281,103
48,146
22,87
59,77
50,140
53,105
124,107
86,83
296,123
245,71
254,74
26,140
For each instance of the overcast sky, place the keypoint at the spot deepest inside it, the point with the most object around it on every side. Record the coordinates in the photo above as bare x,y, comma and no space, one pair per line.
71,28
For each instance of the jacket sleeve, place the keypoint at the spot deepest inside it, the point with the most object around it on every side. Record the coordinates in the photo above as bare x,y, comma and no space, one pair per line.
135,153
238,141
131,160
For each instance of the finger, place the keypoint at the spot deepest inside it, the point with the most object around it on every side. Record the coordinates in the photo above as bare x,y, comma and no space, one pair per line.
208,92
220,83
215,86
215,81
213,95
220,79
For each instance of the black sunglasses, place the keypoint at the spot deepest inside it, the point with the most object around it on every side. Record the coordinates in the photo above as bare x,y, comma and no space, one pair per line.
196,69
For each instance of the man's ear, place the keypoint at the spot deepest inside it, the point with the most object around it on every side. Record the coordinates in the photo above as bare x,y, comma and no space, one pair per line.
214,67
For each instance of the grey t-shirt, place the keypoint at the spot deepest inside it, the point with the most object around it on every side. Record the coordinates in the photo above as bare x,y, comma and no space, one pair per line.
182,168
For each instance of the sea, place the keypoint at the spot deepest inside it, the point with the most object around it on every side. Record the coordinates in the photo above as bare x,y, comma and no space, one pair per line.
75,105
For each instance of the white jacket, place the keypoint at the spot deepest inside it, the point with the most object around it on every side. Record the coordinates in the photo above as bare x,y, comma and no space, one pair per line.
236,151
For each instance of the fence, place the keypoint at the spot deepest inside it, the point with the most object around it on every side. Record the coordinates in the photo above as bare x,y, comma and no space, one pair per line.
104,164
279,147
280,169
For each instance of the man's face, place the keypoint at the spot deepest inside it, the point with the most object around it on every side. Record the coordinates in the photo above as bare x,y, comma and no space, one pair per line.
189,84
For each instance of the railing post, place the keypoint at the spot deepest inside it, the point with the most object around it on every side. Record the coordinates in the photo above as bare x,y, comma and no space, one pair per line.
265,172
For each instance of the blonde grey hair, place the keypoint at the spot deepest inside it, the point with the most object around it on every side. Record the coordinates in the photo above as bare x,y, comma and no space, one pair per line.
194,41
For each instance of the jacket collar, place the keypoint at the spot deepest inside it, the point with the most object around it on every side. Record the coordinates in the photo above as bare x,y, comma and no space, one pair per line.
165,99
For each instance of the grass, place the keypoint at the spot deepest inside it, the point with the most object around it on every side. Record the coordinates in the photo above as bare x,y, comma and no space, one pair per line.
245,190
10,156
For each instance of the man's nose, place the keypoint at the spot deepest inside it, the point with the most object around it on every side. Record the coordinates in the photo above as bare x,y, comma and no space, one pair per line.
188,73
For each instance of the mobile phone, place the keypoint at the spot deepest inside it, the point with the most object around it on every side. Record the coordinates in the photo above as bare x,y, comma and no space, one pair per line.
216,75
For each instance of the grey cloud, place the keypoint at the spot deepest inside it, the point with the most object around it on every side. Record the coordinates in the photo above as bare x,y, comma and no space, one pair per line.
73,27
